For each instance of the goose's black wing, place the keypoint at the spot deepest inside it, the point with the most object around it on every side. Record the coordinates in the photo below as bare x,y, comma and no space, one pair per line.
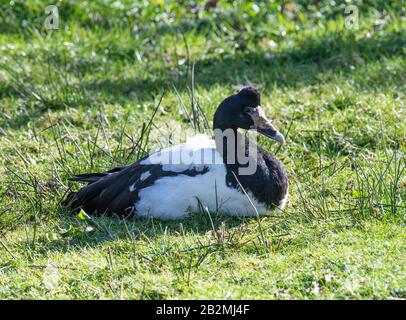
116,191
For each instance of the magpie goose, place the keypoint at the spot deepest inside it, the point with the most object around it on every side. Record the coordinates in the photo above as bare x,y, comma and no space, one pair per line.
230,174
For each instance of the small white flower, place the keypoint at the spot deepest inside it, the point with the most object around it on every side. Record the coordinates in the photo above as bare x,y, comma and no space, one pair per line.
255,8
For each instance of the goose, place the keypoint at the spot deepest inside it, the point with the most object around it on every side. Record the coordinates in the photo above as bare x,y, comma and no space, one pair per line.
229,174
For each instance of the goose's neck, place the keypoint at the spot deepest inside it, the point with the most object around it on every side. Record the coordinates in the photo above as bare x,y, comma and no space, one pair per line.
229,142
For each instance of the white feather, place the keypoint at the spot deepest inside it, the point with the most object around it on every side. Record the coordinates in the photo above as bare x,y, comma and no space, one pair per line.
282,203
132,188
145,175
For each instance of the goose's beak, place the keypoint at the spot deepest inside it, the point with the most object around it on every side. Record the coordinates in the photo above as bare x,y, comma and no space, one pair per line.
273,134
263,125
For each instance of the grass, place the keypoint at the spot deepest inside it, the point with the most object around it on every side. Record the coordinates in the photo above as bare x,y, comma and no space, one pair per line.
118,80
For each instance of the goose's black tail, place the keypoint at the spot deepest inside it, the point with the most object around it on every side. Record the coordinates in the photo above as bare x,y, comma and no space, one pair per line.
106,192
93,177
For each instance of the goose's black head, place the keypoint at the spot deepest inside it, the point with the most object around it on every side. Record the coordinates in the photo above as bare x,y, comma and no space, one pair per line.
243,110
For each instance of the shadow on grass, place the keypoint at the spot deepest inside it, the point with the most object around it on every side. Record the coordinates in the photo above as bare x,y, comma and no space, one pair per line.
76,234
301,66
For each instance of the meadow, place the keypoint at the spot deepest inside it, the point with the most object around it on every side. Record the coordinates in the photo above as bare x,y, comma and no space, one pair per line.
120,79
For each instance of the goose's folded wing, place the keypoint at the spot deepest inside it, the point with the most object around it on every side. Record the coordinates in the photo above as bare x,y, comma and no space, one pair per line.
116,191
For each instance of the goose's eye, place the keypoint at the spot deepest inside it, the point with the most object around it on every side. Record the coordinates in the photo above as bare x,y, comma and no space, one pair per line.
247,110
